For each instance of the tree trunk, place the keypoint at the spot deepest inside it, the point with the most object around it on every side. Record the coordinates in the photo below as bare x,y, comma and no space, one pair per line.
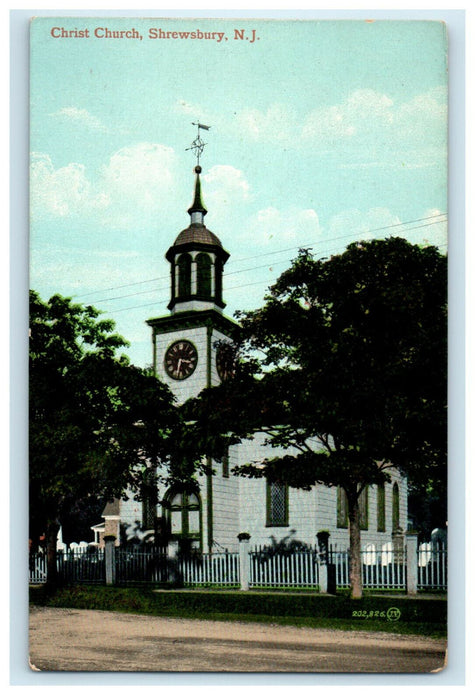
356,588
52,530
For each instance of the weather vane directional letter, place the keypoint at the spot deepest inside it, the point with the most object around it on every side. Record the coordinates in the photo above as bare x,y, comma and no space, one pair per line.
198,144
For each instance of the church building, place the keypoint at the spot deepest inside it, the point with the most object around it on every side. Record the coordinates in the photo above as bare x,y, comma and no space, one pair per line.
189,354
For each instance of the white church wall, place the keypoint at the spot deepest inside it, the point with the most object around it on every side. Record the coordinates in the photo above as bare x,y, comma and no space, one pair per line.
130,514
253,499
226,504
311,511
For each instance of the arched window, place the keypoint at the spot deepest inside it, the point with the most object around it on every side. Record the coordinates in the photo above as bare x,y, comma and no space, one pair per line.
218,281
184,275
184,515
363,508
341,508
203,274
395,507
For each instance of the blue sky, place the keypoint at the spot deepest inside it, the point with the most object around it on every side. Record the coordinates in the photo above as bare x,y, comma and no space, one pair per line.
322,132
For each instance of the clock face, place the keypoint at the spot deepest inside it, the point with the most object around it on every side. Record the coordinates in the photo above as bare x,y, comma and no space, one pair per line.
181,359
225,361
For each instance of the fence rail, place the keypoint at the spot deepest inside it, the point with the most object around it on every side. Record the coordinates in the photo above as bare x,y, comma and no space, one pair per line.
432,568
381,568
73,565
220,569
289,570
135,565
378,570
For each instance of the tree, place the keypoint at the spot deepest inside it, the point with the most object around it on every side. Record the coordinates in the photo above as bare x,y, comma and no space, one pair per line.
98,425
344,365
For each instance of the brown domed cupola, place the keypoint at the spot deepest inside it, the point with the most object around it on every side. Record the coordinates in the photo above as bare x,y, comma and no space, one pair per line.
197,259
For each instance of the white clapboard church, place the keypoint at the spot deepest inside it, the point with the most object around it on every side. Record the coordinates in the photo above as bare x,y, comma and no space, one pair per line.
189,354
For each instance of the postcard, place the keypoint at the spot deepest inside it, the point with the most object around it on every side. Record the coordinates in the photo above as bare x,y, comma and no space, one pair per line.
238,345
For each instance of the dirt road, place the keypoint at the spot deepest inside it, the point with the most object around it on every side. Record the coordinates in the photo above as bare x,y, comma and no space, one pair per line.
91,640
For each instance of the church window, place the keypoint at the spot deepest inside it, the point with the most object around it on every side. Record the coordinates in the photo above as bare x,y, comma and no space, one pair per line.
341,508
149,513
218,283
363,508
184,275
149,502
396,524
226,463
184,511
277,504
203,270
381,508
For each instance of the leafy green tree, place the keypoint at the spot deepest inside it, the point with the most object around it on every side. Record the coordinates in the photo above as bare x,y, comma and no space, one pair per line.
98,425
344,366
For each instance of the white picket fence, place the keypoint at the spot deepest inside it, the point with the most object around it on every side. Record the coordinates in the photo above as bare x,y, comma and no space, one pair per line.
432,567
220,569
380,568
37,572
384,568
295,570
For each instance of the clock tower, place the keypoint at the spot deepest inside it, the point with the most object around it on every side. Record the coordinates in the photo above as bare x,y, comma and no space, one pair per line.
190,343
192,351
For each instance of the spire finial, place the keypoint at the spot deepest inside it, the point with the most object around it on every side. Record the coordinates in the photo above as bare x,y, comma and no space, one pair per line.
198,144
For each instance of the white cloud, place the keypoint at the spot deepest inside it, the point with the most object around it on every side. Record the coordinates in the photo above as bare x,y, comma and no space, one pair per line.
380,222
353,224
365,129
141,175
81,117
225,189
430,230
283,226
136,182
277,123
375,121
226,183
60,192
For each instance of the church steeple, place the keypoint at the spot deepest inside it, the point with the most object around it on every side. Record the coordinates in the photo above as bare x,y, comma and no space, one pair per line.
197,210
196,261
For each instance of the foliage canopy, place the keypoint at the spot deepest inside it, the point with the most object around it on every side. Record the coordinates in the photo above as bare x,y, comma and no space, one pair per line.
344,367
98,425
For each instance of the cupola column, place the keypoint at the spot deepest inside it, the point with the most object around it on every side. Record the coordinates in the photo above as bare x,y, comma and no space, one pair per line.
194,277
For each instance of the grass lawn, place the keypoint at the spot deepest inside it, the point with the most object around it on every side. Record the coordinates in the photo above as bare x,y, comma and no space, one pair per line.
395,613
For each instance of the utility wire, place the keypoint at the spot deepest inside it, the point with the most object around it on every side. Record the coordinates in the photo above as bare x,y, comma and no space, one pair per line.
261,255
239,286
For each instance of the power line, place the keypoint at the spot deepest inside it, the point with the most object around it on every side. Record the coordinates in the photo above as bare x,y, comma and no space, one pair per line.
261,255
348,235
239,286
164,301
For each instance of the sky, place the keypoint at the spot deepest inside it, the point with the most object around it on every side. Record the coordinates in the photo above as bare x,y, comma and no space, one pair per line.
322,133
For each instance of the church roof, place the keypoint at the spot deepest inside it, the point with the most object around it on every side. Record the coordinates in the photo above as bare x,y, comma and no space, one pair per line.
112,507
198,202
197,233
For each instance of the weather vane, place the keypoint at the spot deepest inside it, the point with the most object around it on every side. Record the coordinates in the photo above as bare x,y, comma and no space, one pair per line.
198,144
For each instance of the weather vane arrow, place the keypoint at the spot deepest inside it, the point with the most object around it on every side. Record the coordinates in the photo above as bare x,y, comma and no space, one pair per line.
198,144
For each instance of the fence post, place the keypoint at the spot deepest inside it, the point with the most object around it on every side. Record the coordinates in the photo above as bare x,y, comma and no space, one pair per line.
173,549
411,563
109,541
322,576
244,563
